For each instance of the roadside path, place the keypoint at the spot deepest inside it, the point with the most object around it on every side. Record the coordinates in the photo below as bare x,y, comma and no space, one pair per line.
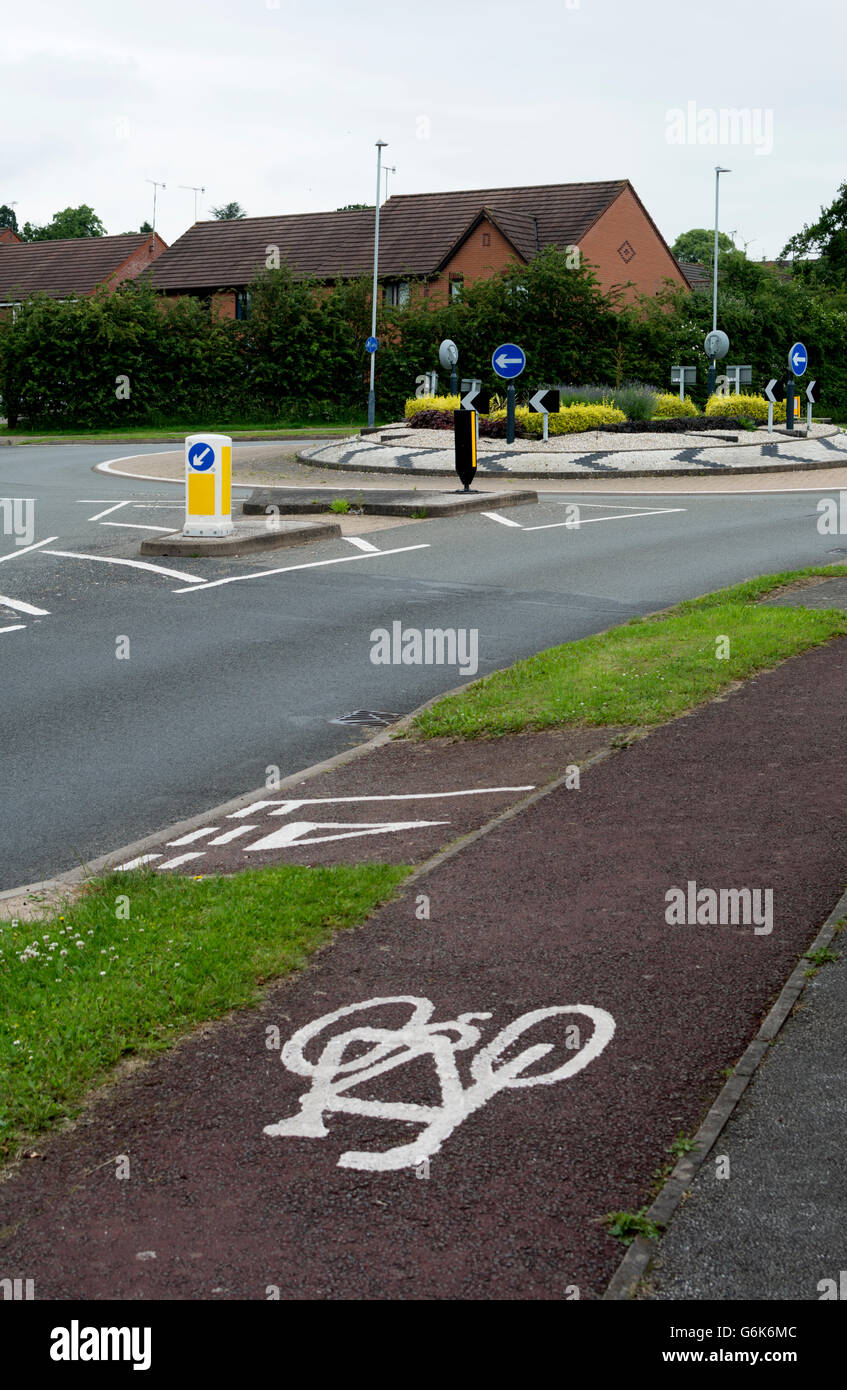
445,1161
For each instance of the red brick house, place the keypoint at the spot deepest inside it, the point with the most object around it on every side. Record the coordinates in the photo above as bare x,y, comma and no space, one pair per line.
72,267
430,243
7,235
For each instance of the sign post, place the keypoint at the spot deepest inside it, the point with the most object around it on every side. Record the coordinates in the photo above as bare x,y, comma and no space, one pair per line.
465,423
543,402
798,361
686,376
448,356
466,433
208,485
715,345
812,400
773,396
508,361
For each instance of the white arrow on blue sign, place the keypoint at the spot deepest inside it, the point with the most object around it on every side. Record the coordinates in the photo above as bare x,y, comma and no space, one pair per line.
201,457
371,344
798,359
508,360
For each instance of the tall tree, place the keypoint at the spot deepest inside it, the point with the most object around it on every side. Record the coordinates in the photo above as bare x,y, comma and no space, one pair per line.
7,217
826,241
699,245
71,222
228,212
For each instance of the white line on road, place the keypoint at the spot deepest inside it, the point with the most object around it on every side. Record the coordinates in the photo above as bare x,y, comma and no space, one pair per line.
135,526
136,863
289,804
503,520
181,859
114,507
587,520
362,545
13,554
21,607
194,835
17,627
287,569
133,564
232,834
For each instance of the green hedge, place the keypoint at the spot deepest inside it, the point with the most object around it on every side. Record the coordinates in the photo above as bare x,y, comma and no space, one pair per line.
301,354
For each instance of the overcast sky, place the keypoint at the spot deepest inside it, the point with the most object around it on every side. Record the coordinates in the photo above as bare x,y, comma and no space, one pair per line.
278,103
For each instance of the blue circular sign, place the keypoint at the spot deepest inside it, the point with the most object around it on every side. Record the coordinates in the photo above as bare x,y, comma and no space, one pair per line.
798,359
371,344
508,360
201,457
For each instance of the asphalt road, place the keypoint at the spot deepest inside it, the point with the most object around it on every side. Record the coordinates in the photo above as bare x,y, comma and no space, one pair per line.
222,682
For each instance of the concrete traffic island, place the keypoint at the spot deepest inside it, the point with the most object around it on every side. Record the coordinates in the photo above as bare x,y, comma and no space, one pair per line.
421,452
379,502
269,533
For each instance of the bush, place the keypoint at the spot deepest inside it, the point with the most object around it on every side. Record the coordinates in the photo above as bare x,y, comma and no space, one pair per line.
439,403
744,406
490,427
670,407
637,402
570,419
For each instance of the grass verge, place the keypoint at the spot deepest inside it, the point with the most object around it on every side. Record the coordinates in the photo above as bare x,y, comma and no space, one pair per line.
98,986
166,435
645,672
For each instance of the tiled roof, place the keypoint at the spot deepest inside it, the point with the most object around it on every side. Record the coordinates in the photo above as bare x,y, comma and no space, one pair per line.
698,275
75,265
417,233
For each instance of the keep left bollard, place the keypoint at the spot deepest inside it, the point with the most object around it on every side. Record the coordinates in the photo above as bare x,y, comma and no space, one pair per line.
208,485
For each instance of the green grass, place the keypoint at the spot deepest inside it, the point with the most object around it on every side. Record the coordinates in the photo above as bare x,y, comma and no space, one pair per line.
645,672
190,951
163,435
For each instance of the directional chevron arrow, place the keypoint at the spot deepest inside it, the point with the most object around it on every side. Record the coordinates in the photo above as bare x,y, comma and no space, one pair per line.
544,402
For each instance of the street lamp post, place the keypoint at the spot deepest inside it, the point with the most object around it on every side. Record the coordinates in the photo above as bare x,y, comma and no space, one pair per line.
380,146
714,363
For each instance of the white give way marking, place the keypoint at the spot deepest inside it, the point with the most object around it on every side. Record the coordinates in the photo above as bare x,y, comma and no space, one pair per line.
576,519
333,1077
293,835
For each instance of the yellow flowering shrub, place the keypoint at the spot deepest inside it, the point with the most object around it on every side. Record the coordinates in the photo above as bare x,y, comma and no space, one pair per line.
752,407
419,403
670,407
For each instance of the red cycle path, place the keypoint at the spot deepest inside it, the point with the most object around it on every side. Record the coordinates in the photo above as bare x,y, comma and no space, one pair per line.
562,904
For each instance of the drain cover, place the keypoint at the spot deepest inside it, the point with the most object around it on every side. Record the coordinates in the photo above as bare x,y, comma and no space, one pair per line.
366,716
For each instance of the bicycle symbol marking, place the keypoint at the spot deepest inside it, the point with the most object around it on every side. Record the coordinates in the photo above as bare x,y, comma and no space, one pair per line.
333,1077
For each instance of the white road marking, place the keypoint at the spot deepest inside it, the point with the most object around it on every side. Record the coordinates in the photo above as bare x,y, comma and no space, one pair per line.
180,859
288,569
24,550
232,834
21,607
114,507
16,627
503,520
286,806
133,564
135,526
106,467
587,520
495,1067
294,833
137,862
357,541
194,835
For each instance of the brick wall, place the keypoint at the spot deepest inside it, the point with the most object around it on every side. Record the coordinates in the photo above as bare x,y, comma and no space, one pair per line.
475,260
623,245
138,261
